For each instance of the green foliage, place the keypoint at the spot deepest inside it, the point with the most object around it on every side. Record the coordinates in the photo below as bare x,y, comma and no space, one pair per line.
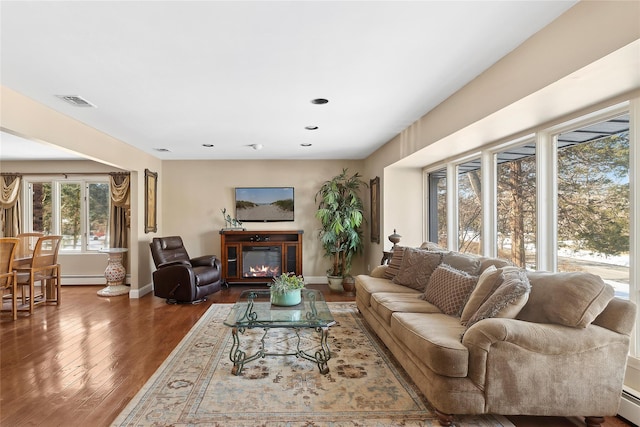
286,282
340,211
244,204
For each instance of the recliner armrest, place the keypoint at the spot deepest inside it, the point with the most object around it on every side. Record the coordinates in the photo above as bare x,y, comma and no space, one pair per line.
171,263
205,261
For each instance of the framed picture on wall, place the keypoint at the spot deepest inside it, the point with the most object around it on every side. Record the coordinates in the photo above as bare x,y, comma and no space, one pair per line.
151,201
374,188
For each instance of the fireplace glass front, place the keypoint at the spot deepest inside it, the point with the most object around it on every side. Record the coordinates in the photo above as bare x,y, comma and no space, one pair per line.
261,261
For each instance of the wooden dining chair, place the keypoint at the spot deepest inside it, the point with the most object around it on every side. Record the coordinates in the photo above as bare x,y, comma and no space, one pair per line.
25,247
44,270
8,248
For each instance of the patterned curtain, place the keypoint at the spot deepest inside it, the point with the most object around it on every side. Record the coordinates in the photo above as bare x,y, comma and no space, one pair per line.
120,211
10,205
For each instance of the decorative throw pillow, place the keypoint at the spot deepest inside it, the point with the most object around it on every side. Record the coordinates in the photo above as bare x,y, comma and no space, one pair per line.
448,289
488,282
378,271
417,267
570,299
467,263
507,300
395,263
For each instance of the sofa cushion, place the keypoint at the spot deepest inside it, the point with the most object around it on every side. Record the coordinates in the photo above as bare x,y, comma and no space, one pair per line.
570,299
488,282
449,289
463,262
435,339
387,303
367,285
507,300
486,262
417,267
395,263
430,246
378,271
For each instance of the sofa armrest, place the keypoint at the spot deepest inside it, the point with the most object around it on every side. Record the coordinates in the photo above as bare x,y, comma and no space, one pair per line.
205,261
174,263
545,349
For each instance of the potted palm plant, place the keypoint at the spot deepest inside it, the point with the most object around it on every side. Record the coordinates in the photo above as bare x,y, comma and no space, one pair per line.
340,211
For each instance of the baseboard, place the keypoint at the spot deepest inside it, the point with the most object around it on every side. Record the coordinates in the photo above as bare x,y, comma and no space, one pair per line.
630,405
140,292
80,279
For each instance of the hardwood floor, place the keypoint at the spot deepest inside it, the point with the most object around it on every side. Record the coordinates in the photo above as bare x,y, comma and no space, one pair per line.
80,363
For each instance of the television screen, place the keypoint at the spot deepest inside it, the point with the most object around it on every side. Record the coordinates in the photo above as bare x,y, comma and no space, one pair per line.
264,204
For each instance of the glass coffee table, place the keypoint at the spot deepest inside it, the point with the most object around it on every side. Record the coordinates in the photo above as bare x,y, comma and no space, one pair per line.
254,310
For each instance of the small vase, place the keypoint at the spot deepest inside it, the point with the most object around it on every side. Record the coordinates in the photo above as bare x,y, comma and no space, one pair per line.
286,299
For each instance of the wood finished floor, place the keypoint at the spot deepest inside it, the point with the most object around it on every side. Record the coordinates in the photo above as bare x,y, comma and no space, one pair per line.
80,363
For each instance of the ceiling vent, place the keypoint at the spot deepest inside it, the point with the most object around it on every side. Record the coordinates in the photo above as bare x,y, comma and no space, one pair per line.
76,101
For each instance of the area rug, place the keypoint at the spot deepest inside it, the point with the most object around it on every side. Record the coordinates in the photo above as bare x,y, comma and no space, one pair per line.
364,387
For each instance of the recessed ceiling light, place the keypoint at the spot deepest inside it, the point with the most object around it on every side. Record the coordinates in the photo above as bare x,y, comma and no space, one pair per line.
162,150
207,145
319,101
311,127
306,144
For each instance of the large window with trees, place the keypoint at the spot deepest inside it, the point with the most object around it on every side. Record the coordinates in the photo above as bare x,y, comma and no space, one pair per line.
76,209
516,205
584,200
469,207
593,201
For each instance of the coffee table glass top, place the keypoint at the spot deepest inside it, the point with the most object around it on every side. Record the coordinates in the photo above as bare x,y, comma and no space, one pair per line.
254,309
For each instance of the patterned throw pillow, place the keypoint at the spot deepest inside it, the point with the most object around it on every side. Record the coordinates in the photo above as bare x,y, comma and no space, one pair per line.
417,267
488,282
448,289
395,263
507,300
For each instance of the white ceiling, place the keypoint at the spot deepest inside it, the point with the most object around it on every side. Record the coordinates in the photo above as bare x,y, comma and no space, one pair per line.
177,74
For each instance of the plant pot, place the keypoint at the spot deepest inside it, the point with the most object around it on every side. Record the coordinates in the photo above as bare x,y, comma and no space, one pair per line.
286,299
335,283
349,285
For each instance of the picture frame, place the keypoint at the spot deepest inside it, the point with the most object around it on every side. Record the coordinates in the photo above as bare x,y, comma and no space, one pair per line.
374,189
150,201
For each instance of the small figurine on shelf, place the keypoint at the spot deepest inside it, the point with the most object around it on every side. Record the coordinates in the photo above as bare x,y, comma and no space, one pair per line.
230,223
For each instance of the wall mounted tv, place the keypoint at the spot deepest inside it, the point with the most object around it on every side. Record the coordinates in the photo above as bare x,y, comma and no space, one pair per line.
264,204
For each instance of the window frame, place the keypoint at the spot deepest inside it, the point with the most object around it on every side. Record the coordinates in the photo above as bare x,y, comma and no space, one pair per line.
56,182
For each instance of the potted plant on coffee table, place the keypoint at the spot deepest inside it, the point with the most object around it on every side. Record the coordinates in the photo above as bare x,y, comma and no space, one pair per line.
340,211
286,289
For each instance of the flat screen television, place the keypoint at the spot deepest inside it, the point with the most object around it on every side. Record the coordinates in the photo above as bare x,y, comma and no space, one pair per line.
264,204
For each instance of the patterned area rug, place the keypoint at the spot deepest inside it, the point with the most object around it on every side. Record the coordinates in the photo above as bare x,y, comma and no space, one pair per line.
365,386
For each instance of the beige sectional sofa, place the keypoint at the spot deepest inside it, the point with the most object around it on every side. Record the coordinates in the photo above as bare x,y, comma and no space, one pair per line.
479,336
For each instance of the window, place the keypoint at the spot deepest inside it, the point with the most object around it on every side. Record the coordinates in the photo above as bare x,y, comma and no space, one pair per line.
76,209
593,201
516,205
469,207
438,200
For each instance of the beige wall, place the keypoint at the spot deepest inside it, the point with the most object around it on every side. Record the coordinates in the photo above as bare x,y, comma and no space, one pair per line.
194,192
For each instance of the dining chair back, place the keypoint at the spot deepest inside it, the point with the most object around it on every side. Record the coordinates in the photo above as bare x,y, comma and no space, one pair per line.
45,271
8,248
27,244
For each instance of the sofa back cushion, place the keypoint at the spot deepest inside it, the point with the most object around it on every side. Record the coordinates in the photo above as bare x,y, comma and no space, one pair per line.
449,289
463,262
570,299
417,267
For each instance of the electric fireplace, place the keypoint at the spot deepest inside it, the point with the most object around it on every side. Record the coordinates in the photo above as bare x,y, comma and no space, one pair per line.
261,261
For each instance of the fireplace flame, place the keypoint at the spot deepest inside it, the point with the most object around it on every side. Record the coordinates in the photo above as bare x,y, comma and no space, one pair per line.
263,271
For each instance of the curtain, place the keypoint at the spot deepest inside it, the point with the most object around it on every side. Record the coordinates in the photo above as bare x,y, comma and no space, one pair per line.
120,212
10,205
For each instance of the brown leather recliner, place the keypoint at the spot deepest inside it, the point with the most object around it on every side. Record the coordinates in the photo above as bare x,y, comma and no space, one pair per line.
181,279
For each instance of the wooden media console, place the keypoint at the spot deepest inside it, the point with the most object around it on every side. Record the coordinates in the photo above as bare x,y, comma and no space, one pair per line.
258,256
